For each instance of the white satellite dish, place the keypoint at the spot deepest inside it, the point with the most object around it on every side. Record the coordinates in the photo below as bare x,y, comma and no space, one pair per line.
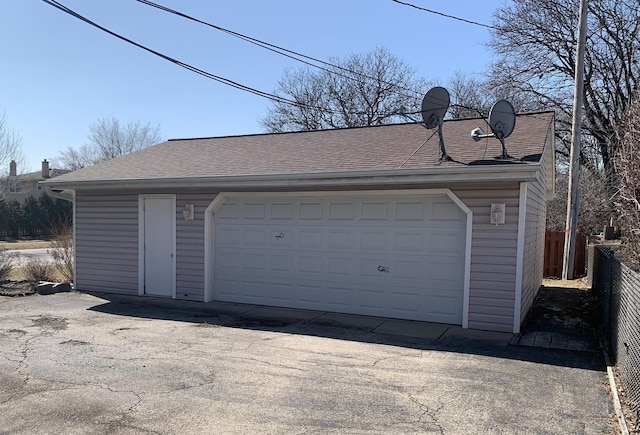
434,108
502,121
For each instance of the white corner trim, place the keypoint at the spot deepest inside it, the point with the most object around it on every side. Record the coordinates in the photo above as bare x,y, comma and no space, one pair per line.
209,244
522,215
141,198
467,256
140,245
75,249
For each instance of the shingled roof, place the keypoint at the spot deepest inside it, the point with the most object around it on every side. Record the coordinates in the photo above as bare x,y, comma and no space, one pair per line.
389,147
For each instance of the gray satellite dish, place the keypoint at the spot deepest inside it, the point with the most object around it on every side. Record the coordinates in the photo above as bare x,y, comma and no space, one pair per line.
434,107
502,119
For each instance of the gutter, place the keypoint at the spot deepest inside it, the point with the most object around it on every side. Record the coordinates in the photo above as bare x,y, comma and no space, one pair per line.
66,194
506,173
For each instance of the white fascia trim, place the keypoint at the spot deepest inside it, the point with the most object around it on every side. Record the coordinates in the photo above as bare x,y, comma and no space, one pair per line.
223,196
209,244
353,178
522,215
141,270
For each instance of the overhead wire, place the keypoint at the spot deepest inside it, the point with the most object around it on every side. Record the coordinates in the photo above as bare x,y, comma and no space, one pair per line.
189,67
229,82
442,14
291,54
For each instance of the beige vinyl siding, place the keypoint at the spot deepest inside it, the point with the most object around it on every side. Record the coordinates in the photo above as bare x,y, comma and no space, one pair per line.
190,246
493,257
107,242
533,245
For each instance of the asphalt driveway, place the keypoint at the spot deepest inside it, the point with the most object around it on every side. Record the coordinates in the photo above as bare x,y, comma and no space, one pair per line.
74,363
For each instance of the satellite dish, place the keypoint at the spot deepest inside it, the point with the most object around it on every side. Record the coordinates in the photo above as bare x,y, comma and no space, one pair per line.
502,119
434,107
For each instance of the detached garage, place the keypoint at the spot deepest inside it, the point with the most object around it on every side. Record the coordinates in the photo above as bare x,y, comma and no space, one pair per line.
365,220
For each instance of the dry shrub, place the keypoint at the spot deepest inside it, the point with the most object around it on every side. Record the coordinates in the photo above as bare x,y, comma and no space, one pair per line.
61,250
37,270
627,198
6,263
595,204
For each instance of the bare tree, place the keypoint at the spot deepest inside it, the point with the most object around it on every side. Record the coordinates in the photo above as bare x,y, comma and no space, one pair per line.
535,45
595,199
371,89
10,145
470,96
108,139
10,149
627,163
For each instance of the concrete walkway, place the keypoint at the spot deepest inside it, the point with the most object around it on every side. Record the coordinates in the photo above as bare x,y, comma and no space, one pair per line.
562,318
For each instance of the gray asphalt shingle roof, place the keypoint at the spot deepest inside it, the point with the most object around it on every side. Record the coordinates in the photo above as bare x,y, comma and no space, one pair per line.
343,150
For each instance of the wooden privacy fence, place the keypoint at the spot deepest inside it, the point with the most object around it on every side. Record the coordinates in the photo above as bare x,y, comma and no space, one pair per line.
554,254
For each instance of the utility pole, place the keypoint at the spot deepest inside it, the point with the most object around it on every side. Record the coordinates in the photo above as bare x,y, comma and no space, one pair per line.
574,168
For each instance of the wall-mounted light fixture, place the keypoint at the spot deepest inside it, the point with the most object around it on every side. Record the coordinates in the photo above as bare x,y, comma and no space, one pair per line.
187,212
497,214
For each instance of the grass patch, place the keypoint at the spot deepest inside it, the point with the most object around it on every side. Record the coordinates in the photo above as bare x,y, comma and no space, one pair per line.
19,274
580,283
24,244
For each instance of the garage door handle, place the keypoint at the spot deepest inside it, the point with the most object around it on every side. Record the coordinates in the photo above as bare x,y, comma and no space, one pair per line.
383,269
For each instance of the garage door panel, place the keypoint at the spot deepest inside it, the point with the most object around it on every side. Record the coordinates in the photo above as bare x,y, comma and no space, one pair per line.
340,266
390,257
374,211
254,210
282,210
410,211
340,239
408,240
310,210
310,238
341,298
310,265
447,241
372,240
446,212
281,262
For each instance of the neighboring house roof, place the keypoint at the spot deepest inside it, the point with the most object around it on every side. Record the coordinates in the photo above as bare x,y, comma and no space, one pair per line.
37,176
349,152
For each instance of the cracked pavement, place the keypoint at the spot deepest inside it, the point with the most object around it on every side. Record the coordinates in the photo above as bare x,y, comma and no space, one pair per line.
77,364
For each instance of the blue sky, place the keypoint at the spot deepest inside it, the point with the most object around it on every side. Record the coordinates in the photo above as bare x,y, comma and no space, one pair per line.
59,74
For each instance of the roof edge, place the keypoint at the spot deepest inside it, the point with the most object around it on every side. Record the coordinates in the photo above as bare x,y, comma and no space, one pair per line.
321,179
346,128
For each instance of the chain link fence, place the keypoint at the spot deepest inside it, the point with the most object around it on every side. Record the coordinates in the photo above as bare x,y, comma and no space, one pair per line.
618,289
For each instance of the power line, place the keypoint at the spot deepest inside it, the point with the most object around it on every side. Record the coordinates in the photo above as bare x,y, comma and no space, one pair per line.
220,79
206,74
282,51
453,17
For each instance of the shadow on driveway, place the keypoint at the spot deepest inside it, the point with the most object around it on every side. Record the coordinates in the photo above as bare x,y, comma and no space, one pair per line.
408,334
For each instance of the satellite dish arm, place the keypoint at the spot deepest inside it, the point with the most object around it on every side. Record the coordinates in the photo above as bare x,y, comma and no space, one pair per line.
443,152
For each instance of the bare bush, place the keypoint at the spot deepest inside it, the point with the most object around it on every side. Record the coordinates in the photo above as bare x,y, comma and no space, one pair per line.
62,250
627,198
37,270
6,263
595,205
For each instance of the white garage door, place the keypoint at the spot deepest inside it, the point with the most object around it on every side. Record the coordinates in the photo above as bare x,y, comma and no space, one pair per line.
399,257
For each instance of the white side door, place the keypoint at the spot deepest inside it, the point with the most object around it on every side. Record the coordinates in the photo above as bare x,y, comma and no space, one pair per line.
158,250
